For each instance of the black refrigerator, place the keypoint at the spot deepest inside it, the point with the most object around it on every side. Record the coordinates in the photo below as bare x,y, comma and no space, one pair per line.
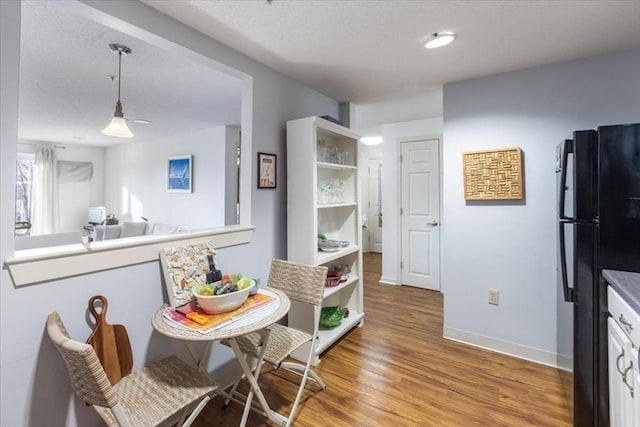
598,228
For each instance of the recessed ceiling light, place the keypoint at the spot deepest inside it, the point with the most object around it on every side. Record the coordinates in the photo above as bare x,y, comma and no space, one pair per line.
371,140
440,39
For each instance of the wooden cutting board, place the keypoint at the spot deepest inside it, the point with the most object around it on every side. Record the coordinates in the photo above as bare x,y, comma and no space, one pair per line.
111,342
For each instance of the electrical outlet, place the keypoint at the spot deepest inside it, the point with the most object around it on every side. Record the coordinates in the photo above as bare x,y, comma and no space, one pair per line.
493,296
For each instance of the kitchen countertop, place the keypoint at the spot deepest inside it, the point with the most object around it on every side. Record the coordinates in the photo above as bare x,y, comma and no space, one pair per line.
627,284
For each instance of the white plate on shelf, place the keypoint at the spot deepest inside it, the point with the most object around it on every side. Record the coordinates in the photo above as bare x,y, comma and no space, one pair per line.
330,249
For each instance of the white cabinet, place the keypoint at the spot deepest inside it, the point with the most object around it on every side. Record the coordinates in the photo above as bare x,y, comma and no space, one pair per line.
620,399
623,326
323,196
636,397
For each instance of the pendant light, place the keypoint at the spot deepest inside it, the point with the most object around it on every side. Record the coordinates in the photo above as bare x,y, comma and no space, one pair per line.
118,126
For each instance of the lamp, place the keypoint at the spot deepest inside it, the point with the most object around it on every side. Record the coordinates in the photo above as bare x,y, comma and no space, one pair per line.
118,126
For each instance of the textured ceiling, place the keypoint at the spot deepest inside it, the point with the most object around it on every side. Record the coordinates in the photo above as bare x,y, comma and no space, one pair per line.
367,52
66,96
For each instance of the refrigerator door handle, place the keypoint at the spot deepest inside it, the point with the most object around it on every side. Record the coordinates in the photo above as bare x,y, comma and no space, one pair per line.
569,294
566,149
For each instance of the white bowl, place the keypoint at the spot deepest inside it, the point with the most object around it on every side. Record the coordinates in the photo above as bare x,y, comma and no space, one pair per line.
217,304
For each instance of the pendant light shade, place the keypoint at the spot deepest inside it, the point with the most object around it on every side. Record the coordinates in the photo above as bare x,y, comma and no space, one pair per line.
118,125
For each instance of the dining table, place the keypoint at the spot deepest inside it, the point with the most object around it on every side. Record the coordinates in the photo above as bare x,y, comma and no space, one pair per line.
257,321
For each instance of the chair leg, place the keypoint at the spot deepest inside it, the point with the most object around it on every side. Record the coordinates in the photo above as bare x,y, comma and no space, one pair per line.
292,366
264,336
307,369
233,390
185,412
196,411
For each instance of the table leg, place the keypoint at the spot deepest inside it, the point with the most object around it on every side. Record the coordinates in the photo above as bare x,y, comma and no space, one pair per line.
200,360
255,388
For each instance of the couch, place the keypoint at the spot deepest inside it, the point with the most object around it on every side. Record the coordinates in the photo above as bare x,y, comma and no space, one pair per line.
132,229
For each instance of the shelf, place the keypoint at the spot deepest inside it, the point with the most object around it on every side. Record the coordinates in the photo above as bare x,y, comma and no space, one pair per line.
325,257
325,165
337,205
307,180
324,126
326,337
333,289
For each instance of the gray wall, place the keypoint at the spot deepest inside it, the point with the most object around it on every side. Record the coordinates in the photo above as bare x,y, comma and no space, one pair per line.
34,390
511,246
137,179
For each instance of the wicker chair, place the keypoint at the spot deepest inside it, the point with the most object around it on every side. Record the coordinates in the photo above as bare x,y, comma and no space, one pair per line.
303,283
162,392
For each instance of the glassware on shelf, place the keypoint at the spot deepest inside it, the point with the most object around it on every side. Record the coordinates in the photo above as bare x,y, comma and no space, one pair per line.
343,157
331,192
326,154
333,155
323,193
339,191
322,151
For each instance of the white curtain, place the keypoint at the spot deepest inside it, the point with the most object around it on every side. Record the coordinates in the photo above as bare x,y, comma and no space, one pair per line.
44,198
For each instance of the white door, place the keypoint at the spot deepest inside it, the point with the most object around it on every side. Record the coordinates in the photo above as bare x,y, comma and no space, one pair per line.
374,209
420,214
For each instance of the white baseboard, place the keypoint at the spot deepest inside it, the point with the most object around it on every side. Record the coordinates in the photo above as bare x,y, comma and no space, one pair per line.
509,348
564,362
385,280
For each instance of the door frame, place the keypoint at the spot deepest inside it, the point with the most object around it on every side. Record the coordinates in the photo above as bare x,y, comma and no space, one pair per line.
366,153
365,203
398,243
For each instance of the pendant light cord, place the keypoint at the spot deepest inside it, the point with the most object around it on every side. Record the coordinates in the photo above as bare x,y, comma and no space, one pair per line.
119,71
118,125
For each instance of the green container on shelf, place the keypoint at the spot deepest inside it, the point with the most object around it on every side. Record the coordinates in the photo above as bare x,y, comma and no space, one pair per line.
330,317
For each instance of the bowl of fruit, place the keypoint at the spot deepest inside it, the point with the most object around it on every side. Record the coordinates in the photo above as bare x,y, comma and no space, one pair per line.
225,295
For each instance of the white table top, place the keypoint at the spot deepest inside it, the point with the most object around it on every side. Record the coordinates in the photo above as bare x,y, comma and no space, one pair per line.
252,322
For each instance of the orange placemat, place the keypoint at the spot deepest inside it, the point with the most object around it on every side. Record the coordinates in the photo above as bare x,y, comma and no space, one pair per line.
215,321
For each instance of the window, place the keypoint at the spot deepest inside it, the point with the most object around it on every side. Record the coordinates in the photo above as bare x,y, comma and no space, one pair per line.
24,180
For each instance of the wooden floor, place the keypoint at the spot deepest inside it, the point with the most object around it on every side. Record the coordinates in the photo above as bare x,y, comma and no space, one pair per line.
397,370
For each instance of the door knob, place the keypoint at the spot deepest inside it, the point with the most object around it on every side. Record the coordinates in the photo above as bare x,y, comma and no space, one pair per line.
433,223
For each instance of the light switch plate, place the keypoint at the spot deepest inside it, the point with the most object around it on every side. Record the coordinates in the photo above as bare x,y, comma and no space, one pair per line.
493,296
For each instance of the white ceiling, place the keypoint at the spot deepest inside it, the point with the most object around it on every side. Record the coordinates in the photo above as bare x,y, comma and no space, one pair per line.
66,96
366,52
371,52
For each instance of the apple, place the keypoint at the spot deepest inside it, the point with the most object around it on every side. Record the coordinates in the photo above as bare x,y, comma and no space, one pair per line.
245,282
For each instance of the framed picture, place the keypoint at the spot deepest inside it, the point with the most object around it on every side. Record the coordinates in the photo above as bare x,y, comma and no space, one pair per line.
179,177
266,170
493,174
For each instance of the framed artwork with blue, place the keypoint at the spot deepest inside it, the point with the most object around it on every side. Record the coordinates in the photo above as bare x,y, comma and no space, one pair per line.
180,174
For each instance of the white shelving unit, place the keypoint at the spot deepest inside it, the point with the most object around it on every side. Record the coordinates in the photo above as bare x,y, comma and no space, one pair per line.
323,196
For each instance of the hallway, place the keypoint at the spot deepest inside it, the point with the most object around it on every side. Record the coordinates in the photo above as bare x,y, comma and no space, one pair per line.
398,370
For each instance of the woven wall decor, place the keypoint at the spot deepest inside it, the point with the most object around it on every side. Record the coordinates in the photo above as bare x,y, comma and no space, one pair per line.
493,174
